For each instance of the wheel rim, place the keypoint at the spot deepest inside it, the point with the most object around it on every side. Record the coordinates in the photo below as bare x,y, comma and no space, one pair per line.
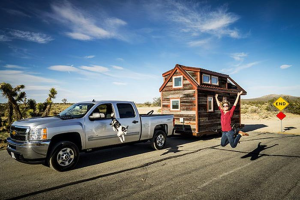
160,140
65,157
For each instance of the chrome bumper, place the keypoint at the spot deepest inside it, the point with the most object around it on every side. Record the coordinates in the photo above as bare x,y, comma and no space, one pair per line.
28,150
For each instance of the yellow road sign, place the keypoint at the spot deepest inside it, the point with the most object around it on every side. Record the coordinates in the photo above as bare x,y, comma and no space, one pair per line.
280,103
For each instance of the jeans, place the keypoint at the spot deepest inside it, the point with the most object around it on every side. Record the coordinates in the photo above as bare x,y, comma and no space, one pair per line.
228,137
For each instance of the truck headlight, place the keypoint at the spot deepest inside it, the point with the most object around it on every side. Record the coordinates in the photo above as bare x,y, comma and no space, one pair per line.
38,134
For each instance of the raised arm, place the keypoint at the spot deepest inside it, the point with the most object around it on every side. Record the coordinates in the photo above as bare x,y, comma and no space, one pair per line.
217,100
237,98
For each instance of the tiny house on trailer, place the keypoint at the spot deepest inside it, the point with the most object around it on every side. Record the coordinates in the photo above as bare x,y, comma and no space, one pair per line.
189,94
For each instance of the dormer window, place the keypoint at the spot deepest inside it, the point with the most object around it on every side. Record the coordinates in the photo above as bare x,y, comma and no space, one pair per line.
177,81
214,80
206,78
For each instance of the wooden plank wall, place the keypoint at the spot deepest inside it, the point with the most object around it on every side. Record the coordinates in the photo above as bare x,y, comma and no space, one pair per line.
194,75
186,94
210,121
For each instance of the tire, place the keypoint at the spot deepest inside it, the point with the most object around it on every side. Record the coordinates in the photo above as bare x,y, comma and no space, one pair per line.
65,156
159,140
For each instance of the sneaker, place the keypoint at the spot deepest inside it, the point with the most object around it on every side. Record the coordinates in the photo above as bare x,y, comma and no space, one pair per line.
243,133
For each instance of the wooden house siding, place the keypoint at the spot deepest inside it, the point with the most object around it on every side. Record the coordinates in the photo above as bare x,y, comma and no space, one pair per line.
194,75
187,97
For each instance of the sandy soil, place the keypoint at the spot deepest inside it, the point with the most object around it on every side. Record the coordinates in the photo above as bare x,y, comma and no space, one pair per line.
290,124
145,110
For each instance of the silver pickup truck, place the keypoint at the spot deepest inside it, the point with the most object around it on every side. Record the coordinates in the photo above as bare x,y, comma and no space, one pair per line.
57,141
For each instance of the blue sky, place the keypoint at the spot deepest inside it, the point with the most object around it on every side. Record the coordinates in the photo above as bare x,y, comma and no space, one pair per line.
119,49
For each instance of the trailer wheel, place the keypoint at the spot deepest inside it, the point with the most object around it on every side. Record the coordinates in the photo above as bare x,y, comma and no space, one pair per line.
64,157
159,140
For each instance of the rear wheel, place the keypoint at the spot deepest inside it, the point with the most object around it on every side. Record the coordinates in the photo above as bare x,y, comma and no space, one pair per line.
64,157
159,140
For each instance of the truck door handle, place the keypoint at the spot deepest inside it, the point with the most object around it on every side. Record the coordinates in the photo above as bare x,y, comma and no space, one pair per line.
134,121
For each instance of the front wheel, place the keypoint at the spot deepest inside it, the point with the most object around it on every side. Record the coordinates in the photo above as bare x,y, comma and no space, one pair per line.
64,157
159,140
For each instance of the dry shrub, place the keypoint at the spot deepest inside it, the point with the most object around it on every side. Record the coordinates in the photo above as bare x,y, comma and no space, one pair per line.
252,109
263,115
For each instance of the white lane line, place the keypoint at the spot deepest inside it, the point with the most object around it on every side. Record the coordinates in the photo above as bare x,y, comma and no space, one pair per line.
213,180
222,175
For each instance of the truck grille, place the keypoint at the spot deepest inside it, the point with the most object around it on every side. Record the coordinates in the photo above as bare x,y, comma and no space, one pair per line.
19,133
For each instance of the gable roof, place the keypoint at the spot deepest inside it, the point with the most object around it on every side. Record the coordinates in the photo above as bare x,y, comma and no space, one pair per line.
183,70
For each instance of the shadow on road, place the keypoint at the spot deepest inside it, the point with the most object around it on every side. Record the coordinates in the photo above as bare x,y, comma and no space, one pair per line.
109,154
253,127
289,128
255,154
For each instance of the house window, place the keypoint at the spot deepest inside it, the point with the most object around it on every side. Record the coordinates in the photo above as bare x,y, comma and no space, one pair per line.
175,104
177,81
214,80
210,104
206,78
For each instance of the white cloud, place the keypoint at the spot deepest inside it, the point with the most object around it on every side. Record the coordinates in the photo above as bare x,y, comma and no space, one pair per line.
16,12
88,57
83,26
63,68
119,83
95,68
14,67
79,36
238,56
4,38
117,67
37,87
238,68
198,43
120,59
22,77
30,36
285,66
196,18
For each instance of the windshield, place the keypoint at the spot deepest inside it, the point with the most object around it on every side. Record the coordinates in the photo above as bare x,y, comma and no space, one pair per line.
77,110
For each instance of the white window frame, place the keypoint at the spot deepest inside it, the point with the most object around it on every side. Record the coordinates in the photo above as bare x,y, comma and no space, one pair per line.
212,103
217,79
171,105
203,79
174,81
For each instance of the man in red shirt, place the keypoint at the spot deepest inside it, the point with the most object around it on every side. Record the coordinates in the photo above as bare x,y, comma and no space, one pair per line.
226,115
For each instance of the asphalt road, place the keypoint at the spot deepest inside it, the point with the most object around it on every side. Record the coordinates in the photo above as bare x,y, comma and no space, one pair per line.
262,166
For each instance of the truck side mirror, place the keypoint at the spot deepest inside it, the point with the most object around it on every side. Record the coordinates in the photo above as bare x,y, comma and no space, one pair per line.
95,116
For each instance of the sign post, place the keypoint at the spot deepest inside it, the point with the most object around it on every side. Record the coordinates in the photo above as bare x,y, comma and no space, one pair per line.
281,104
281,116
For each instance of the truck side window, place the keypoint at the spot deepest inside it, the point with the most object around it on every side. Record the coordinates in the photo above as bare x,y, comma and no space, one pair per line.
106,109
125,110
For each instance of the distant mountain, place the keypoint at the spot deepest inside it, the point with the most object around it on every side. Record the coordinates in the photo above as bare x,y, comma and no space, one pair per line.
272,96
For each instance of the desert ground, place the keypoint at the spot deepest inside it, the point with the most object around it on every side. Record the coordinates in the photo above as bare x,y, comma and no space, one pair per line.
290,124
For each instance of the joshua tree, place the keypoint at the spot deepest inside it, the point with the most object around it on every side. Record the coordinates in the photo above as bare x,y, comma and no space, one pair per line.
13,96
52,95
31,104
64,100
